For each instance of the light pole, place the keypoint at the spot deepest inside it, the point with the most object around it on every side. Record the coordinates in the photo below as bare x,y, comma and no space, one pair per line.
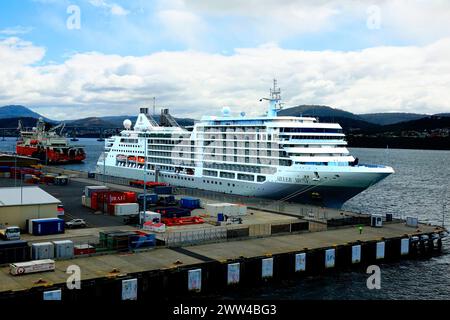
145,181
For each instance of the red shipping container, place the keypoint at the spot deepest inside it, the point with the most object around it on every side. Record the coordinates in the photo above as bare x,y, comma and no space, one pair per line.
83,249
130,197
116,197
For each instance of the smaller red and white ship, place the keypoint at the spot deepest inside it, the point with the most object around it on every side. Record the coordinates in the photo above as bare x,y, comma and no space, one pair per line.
48,145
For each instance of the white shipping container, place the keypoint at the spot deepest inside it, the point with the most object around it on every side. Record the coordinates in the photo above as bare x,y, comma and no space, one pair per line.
126,209
64,249
151,216
31,267
229,209
42,250
88,202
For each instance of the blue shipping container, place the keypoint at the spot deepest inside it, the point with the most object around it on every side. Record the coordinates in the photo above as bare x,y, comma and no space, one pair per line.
48,226
152,198
4,169
163,190
190,203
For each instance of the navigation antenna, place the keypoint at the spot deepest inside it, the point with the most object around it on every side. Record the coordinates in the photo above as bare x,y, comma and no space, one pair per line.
274,100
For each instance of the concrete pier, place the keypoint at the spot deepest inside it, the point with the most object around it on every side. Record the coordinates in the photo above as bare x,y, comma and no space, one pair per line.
169,272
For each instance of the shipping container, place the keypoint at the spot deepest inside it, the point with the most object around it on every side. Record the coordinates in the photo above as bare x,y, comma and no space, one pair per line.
42,250
126,209
14,251
152,216
141,241
228,209
166,200
64,249
48,226
82,249
4,168
154,226
190,202
163,190
149,197
31,267
174,212
88,190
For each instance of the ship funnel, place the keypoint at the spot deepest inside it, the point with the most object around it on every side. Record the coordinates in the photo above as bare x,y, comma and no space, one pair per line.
143,110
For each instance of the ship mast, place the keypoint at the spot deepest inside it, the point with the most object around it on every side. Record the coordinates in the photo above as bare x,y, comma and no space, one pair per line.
274,100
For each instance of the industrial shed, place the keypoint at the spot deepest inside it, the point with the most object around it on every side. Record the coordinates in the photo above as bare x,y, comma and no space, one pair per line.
18,204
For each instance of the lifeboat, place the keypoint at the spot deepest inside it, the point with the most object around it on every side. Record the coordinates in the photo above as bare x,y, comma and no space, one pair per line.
141,160
34,142
131,159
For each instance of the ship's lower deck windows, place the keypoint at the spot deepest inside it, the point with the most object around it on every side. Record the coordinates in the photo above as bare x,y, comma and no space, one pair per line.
246,177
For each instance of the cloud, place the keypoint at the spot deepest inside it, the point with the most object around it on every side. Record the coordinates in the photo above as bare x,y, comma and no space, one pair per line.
194,83
114,8
17,30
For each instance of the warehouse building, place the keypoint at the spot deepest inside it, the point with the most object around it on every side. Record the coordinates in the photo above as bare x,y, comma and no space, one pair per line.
18,204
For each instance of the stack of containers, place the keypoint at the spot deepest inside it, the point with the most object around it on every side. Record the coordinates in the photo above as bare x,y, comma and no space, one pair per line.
119,241
14,251
166,199
64,249
46,226
141,240
190,202
150,200
42,250
163,190
88,191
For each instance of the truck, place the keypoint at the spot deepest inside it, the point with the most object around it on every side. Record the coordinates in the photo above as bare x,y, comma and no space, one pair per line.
10,233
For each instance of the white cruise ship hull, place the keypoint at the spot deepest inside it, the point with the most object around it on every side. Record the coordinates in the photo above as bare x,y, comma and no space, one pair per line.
331,188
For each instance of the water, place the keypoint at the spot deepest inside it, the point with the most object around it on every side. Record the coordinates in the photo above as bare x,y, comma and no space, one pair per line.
418,188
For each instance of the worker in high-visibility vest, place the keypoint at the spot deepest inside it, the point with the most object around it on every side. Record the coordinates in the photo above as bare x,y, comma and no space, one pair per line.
360,229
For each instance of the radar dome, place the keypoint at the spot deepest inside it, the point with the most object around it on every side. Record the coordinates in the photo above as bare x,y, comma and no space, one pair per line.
226,111
127,124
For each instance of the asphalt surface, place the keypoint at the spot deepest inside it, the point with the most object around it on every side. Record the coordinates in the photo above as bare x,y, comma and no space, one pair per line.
70,196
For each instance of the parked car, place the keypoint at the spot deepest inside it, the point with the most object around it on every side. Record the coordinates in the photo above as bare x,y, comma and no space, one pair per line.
76,223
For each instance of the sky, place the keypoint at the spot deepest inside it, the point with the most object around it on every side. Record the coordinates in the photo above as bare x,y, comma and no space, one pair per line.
69,59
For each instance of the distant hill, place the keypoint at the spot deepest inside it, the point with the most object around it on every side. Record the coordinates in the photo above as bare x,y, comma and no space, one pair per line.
428,123
388,118
117,121
349,121
91,122
17,111
13,123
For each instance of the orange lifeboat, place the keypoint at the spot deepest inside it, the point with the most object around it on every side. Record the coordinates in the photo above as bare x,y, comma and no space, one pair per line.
141,160
34,142
131,159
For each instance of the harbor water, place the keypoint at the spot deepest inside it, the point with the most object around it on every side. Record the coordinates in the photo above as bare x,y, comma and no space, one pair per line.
419,188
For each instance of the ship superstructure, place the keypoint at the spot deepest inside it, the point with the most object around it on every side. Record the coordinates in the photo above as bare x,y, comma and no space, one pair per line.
279,157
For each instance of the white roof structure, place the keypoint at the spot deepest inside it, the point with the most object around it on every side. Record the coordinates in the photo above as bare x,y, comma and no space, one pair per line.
30,195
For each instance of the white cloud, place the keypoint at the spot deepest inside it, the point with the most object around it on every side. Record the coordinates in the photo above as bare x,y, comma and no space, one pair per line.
11,31
192,83
114,8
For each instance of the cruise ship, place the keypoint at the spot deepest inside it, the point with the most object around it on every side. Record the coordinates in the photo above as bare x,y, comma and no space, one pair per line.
285,158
